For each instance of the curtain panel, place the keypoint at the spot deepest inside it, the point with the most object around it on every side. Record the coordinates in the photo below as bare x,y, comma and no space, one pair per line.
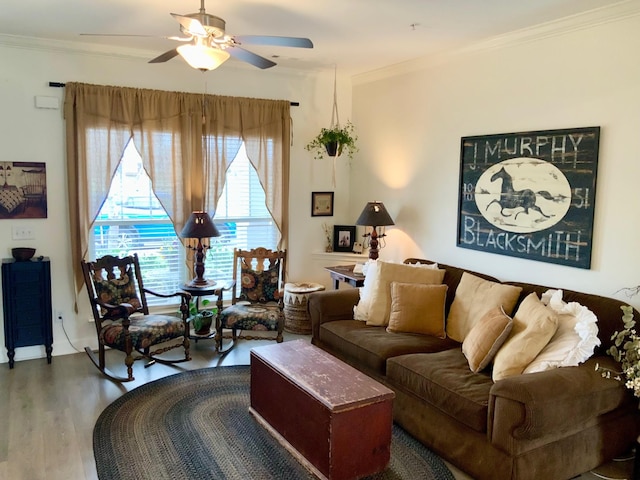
186,141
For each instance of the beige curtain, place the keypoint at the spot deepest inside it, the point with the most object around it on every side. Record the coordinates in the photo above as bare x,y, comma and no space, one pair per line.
186,142
264,127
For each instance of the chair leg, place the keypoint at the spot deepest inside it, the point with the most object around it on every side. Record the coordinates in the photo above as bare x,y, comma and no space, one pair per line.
187,345
279,338
101,358
105,371
128,361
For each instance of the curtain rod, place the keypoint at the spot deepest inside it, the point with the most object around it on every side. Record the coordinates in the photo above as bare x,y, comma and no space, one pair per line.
61,85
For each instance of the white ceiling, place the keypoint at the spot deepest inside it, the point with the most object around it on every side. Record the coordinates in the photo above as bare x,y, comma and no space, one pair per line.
355,35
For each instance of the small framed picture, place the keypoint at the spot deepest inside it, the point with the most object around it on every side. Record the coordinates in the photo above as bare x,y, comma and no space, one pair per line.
322,204
344,236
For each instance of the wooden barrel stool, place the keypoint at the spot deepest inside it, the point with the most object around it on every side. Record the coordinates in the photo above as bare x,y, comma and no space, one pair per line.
296,316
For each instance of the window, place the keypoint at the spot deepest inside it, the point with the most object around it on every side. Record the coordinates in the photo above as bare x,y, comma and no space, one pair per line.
132,220
242,218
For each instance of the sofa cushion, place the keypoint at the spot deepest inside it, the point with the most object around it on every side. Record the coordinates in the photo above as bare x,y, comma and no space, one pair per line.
486,337
369,347
417,308
533,326
443,379
475,296
388,272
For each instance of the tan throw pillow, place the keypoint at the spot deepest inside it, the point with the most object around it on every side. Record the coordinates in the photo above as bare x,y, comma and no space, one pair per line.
475,296
417,308
380,306
533,326
486,337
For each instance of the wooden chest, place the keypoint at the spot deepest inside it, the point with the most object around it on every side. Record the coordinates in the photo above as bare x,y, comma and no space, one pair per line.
333,418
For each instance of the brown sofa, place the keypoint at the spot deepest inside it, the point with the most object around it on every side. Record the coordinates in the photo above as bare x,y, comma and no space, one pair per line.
553,425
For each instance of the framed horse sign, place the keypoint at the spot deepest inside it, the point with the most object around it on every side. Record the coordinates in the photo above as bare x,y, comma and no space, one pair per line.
530,194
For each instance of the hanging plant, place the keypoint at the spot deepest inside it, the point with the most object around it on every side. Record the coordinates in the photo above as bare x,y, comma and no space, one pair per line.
333,141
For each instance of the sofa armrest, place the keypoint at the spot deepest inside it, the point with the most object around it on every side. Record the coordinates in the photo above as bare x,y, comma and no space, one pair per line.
544,404
331,305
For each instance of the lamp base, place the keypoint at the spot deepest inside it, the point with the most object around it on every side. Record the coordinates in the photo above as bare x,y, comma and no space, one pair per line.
195,283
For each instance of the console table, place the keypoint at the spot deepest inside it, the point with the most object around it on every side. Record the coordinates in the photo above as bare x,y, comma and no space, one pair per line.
345,273
26,296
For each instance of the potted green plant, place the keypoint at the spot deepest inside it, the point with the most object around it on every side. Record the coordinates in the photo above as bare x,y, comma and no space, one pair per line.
333,141
201,319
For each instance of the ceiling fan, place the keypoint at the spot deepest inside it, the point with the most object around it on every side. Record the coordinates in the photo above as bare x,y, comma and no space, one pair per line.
207,45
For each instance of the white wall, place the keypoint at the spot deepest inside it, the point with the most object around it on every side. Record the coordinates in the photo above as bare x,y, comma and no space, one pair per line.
411,118
31,134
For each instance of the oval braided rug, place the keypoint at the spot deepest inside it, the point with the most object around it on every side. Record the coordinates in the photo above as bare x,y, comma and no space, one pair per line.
196,425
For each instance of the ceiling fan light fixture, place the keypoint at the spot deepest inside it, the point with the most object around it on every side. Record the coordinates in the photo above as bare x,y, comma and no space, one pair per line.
203,57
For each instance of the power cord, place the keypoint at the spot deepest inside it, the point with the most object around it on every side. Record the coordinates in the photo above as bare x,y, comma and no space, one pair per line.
64,330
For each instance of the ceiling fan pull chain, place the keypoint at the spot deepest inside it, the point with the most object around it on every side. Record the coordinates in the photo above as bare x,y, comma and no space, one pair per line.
335,118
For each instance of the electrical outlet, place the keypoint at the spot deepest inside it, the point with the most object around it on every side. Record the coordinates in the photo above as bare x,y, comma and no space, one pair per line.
59,316
22,233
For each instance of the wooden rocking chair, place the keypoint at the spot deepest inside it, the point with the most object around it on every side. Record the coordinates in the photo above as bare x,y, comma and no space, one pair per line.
260,273
116,293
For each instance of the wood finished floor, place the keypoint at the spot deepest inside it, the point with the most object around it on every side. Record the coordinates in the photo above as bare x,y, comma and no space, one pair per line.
47,412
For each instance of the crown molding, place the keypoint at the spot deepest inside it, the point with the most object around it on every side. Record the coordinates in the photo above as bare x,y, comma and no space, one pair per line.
563,26
78,48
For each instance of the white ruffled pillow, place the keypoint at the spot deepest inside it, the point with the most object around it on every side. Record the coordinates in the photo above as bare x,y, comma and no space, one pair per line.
361,310
575,340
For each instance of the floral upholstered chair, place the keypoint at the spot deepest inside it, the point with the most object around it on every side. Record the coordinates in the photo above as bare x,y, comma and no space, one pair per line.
260,279
119,305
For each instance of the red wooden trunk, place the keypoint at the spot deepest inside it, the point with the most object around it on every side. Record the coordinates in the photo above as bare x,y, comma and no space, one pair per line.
335,419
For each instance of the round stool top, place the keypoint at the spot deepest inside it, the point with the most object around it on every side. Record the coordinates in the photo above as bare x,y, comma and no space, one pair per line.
303,287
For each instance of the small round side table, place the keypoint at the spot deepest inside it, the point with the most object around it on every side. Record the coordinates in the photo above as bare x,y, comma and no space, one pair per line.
296,316
216,289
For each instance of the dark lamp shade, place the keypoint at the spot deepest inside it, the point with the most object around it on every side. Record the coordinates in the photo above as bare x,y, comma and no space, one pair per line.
374,215
199,225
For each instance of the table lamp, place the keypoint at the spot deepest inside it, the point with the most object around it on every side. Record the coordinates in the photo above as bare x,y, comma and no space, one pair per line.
374,215
199,226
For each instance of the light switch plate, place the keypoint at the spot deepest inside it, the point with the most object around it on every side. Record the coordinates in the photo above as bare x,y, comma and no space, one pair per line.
22,233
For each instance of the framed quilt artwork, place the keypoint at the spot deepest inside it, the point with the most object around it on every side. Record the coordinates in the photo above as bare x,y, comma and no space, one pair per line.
530,195
23,190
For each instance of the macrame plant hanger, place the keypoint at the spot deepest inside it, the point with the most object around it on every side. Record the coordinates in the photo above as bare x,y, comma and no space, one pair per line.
335,121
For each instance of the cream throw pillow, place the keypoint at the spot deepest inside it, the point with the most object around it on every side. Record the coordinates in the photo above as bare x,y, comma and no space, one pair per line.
533,326
475,296
417,308
388,272
575,340
486,337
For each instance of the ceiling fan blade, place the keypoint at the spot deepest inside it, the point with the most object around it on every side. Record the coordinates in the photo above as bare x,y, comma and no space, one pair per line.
274,40
165,56
115,35
179,39
250,57
191,25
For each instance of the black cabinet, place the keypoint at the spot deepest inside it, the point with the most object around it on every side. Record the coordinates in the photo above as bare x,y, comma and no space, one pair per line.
26,297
